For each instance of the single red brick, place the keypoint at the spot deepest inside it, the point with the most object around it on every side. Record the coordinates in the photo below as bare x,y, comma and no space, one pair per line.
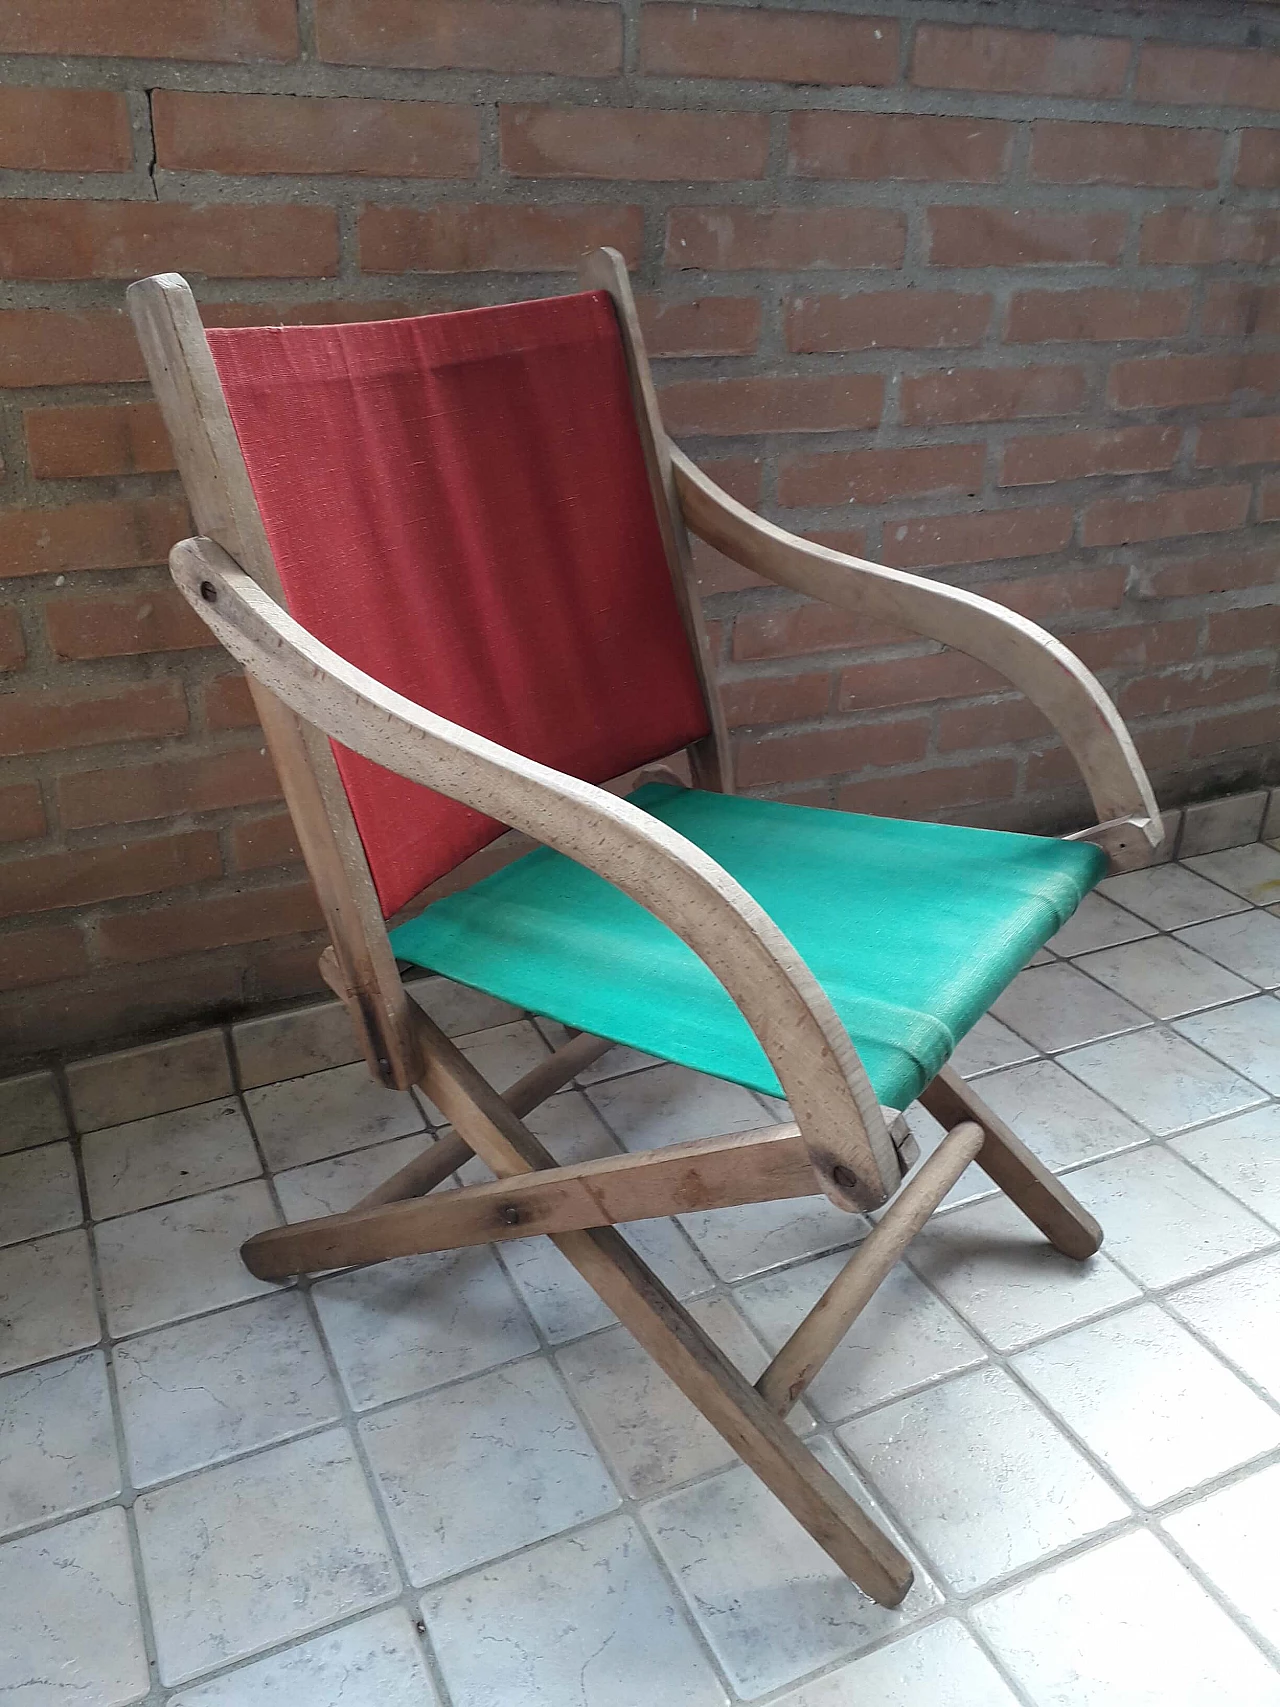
78,877
128,794
712,326
120,625
13,647
1233,731
920,793
785,238
96,438
638,143
1252,628
1028,62
53,346
251,134
124,240
949,396
453,237
825,752
799,629
1226,443
887,319
934,541
759,405
555,36
1064,153
123,29
1179,690
1219,572
1258,163
228,704
1269,500
44,722
64,130
1044,316
758,700
1143,645
1168,382
1231,309
41,956
914,681
1080,454
215,921
1201,509
993,725
21,812
1022,237
879,476
114,534
282,971
1208,76
1186,237
780,46
875,146
260,842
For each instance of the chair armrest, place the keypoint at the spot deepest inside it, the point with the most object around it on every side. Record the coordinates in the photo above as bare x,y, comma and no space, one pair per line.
1052,677
831,1097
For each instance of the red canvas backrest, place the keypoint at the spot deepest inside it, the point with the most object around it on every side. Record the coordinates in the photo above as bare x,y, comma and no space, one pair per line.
459,505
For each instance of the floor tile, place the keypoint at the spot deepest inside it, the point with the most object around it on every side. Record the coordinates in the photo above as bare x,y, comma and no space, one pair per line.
1006,1279
167,1156
1237,1312
1247,943
31,1112
941,1666
981,1479
325,1114
180,1259
339,1182
375,1662
1164,977
904,1337
587,1621
1146,1398
248,1554
770,1602
1222,823
1063,1121
304,1040
1097,923
131,1083
71,1635
198,1392
1245,1035
46,1299
664,1105
1231,1536
1161,1080
562,1303
652,1436
458,1010
1162,1220
57,1441
1056,1006
403,1326
1169,896
1252,870
38,1193
987,1046
485,1467
1242,1154
1124,1625
756,1237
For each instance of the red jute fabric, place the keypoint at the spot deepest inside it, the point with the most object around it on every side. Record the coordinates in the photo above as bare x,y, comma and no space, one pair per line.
458,505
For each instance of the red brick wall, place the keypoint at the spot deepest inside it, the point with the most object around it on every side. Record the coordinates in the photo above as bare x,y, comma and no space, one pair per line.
994,303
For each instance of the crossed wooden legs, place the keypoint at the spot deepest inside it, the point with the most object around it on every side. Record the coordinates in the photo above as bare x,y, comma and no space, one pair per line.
577,1206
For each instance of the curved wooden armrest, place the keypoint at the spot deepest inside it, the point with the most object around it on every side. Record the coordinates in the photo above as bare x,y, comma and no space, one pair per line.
1054,679
817,1065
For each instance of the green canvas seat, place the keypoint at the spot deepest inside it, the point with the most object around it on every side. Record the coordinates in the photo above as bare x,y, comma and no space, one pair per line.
912,929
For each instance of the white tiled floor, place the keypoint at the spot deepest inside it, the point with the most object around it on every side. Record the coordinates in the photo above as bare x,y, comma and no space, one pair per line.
450,1481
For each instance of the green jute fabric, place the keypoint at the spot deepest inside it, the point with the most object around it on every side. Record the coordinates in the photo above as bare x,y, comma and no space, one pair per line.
912,930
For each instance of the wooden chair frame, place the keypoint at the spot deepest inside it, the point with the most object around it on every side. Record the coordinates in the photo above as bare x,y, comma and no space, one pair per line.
840,1138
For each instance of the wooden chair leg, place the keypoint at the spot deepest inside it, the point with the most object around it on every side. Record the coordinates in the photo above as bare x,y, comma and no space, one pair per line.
675,1341
1044,1200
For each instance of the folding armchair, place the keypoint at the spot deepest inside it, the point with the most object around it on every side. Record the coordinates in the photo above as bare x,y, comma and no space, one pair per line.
451,553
